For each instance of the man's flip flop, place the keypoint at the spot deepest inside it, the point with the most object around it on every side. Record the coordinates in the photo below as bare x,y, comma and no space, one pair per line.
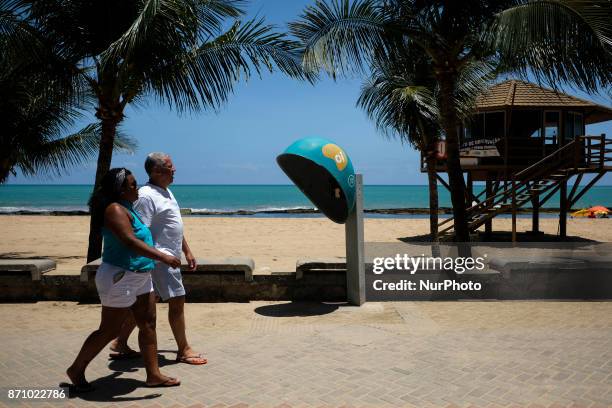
74,389
124,355
193,360
170,382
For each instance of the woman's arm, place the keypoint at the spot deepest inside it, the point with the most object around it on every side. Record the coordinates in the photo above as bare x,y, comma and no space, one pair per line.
117,220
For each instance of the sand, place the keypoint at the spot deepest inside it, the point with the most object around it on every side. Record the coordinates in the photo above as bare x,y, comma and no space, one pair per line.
274,243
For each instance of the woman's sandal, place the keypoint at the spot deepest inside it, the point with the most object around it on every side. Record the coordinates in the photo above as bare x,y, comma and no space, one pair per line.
193,360
170,382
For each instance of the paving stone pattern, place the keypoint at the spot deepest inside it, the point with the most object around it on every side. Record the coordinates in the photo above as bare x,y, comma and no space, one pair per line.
281,354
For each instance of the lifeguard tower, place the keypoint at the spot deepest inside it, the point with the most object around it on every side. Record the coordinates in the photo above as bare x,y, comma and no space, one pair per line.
525,142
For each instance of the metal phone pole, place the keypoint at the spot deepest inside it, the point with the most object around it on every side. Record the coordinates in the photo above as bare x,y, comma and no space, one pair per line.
355,261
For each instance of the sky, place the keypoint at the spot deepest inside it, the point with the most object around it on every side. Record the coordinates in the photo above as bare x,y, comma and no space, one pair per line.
239,143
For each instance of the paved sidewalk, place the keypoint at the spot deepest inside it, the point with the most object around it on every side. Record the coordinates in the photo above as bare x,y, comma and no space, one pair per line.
264,354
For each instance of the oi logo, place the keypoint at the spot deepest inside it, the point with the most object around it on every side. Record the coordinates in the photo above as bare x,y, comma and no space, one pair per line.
335,153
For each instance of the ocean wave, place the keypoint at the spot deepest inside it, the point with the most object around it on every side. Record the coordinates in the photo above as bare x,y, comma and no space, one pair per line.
263,211
44,210
65,210
9,210
249,211
301,210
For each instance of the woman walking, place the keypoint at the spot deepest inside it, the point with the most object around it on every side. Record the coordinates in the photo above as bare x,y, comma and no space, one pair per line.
123,279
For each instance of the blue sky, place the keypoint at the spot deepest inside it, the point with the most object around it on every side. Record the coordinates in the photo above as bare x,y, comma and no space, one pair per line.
239,144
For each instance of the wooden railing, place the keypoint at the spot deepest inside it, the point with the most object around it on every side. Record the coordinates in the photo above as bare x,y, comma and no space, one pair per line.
584,155
595,152
580,154
552,160
543,166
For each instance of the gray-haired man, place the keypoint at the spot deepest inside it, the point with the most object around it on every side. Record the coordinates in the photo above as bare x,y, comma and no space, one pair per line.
159,210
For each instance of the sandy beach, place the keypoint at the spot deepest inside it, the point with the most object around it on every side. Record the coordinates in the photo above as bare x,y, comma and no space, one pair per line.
274,243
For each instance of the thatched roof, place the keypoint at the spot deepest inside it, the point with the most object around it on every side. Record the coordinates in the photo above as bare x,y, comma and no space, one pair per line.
520,94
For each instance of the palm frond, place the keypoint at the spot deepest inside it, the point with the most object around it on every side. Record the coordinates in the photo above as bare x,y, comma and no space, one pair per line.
175,22
254,44
473,80
136,34
212,13
18,37
58,155
400,109
10,22
206,76
559,41
339,36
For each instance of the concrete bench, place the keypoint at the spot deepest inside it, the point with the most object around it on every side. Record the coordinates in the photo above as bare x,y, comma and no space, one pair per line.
88,271
243,265
232,264
306,266
21,279
551,263
555,277
34,267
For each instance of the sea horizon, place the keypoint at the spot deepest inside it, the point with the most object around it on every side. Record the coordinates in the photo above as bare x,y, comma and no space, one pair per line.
270,200
476,183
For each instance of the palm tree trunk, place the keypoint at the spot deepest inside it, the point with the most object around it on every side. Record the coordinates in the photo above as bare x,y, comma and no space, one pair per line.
433,196
105,155
447,80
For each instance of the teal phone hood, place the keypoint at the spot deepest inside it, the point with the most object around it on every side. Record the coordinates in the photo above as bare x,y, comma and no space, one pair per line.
324,173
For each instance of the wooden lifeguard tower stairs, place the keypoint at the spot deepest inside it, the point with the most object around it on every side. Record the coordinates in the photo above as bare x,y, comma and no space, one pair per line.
537,183
527,144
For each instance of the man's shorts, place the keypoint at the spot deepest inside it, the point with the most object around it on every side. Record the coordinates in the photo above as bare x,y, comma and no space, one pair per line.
118,287
168,281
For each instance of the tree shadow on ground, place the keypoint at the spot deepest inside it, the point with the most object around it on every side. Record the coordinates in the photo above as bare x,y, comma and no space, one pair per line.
22,255
424,238
506,236
298,309
502,236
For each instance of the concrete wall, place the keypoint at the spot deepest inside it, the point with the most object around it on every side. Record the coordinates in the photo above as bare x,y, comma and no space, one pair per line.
227,286
327,285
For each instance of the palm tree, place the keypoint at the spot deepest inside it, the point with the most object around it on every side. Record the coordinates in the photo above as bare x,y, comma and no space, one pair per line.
35,116
558,41
400,97
175,51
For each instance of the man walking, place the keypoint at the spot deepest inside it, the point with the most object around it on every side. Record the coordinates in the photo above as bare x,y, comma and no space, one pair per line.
161,213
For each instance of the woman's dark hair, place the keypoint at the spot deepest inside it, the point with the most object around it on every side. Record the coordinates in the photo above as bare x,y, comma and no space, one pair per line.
107,193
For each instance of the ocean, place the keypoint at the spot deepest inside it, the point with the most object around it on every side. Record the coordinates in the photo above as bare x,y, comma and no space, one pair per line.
250,200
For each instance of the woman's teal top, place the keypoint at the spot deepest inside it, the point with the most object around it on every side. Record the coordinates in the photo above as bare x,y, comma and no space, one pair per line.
116,253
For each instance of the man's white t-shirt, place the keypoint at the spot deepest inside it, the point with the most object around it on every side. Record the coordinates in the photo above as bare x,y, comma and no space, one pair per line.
159,210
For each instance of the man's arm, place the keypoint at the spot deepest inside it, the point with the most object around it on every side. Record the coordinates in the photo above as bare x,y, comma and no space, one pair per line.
191,262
